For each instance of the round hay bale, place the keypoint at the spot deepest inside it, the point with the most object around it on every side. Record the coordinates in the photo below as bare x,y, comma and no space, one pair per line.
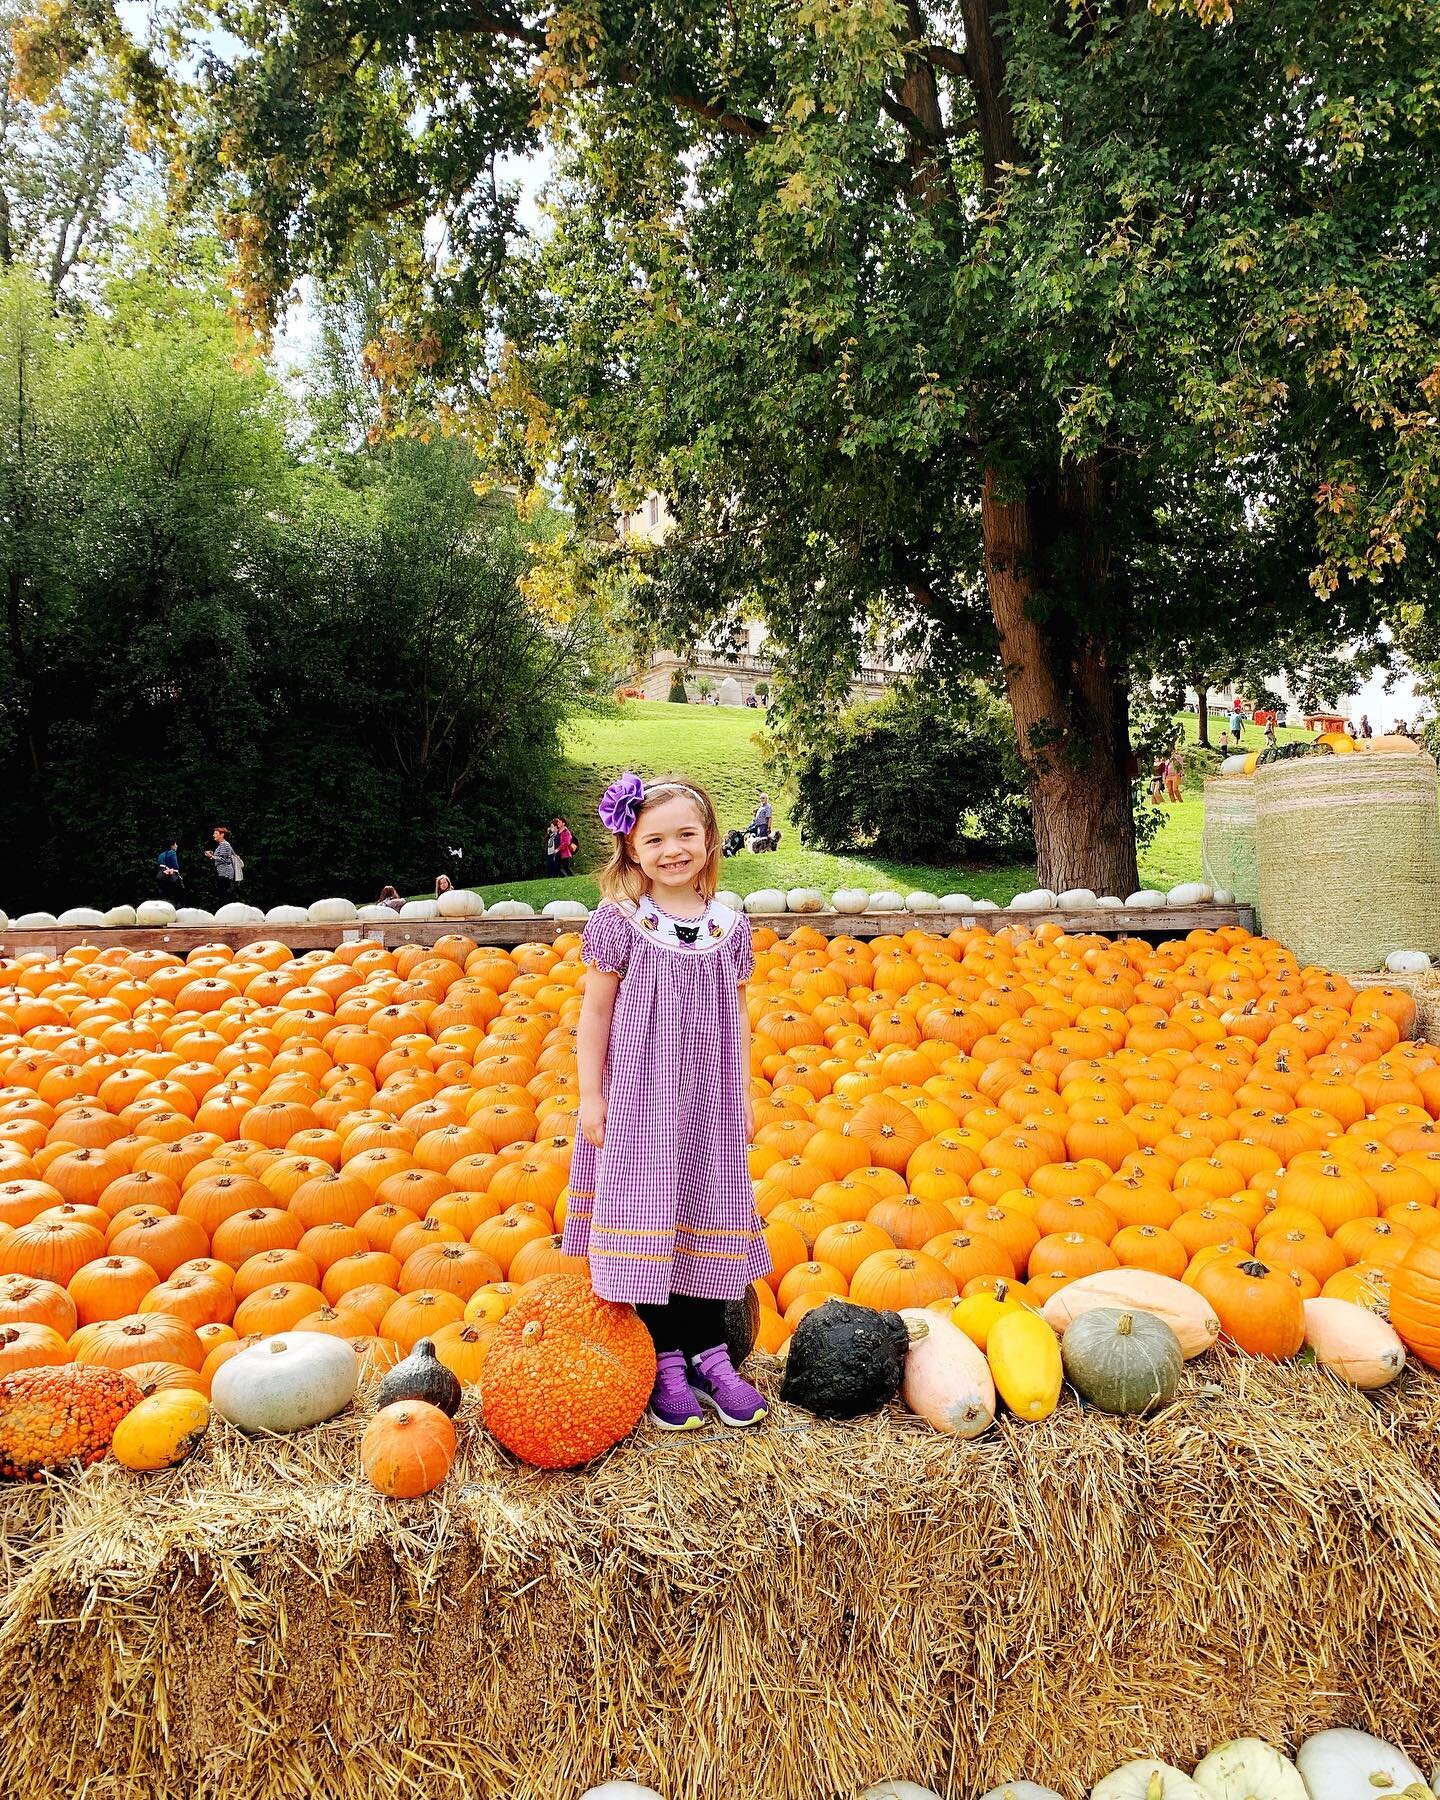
1227,839
1349,856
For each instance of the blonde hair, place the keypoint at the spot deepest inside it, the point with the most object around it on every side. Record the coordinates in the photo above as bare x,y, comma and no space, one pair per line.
622,878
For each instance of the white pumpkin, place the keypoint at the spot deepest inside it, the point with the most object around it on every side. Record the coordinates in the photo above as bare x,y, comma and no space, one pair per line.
287,915
502,909
1407,962
804,900
898,1790
885,900
1223,897
851,900
621,1790
236,912
1143,1779
1249,1769
728,897
373,914
35,921
1145,897
1352,1765
287,1382
81,918
956,903
1021,1790
154,912
335,911
766,900
1190,893
985,906
947,1380
1034,900
922,901
194,915
1234,765
565,909
1109,902
1353,1342
4,921
1078,900
460,903
120,915
425,909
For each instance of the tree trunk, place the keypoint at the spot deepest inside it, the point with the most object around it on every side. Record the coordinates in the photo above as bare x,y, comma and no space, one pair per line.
1202,710
1067,687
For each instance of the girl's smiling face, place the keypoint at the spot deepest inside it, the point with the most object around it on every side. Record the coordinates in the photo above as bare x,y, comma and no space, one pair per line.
669,843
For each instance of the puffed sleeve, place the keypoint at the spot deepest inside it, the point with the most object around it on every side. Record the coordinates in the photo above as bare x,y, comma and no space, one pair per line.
742,949
606,941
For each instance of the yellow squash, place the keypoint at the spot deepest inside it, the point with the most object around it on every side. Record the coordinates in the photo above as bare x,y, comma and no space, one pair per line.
1024,1357
161,1430
978,1314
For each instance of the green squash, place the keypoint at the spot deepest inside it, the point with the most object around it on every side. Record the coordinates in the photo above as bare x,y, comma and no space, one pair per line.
1122,1362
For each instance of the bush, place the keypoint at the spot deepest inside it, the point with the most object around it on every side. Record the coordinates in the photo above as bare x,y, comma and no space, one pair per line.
915,777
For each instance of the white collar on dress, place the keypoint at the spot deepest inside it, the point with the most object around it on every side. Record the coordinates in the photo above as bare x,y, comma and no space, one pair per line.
710,930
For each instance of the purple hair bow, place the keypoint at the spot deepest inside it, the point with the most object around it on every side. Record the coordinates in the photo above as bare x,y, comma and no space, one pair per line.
620,807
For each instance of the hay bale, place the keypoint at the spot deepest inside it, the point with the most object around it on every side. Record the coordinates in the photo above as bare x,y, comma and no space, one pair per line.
1227,838
770,1615
1349,855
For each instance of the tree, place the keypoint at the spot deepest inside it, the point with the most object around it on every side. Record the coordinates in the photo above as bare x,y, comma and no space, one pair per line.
61,169
351,675
916,315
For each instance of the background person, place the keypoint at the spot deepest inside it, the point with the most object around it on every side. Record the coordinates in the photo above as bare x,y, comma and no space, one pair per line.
389,897
170,883
566,847
552,847
227,866
443,885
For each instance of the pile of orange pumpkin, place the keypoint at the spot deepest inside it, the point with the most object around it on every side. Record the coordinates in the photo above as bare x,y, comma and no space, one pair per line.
375,1143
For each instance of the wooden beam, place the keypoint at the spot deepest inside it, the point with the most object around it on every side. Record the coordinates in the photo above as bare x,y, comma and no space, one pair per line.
1157,921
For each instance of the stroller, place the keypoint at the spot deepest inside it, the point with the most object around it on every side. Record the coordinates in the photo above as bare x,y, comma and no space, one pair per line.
736,841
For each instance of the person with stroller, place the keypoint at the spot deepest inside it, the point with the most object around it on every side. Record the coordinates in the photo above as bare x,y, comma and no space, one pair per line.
761,831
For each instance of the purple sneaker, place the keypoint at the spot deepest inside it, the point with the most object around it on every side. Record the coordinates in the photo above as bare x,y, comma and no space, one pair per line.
673,1406
718,1386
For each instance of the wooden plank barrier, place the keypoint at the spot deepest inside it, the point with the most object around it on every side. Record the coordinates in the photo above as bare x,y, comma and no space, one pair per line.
1148,922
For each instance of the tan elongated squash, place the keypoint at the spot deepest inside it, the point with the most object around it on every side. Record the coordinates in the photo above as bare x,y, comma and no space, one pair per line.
1188,1314
947,1380
1024,1357
1353,1343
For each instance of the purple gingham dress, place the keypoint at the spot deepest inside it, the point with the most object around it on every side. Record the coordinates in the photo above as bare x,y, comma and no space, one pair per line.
666,1206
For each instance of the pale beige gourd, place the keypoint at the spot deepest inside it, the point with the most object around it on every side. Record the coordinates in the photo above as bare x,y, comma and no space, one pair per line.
1188,1314
1353,1342
1249,1769
947,1379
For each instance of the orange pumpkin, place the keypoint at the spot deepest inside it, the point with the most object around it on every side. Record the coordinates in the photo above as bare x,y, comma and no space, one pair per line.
892,1279
1259,1308
407,1449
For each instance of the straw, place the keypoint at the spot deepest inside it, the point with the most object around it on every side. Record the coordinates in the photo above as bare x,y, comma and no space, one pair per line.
1349,851
1227,838
789,1612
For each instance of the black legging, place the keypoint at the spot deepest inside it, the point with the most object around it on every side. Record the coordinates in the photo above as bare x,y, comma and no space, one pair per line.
685,1323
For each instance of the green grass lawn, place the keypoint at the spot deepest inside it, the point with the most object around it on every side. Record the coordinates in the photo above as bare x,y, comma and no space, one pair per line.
721,748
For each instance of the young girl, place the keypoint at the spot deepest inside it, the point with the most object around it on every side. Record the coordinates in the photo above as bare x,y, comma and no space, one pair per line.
660,1194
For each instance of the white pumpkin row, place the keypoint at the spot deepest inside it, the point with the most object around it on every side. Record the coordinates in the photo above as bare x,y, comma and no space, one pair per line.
464,903
458,904
1331,1765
